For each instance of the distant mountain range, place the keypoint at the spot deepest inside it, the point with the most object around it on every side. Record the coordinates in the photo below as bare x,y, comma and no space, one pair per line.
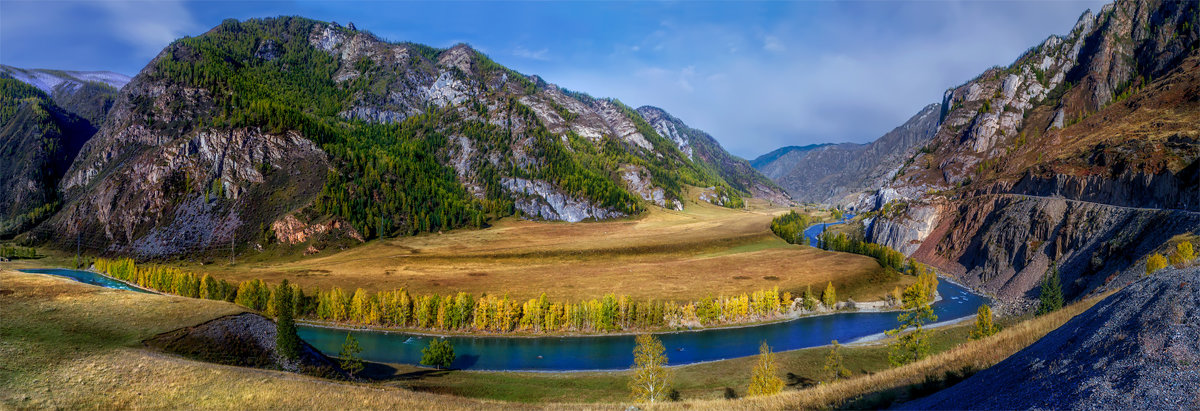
840,173
265,129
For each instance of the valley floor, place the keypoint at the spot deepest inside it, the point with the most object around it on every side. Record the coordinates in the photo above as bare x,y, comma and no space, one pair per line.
71,345
665,255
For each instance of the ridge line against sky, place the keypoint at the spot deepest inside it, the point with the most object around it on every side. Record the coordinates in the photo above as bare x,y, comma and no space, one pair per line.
757,76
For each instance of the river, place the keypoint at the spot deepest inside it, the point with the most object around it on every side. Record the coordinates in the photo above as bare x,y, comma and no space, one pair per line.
609,352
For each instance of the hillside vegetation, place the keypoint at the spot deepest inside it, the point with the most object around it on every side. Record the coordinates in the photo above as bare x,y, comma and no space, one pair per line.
266,123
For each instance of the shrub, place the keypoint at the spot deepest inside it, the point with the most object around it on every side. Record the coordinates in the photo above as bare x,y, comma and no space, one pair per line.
1155,262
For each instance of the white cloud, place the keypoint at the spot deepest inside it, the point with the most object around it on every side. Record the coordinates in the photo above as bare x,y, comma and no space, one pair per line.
773,44
149,25
523,52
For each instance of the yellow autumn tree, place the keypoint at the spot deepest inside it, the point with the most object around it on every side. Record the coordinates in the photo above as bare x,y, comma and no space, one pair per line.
1186,252
984,326
829,297
650,382
1155,262
765,380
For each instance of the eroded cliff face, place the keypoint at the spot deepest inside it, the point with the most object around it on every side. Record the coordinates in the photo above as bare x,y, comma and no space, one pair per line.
1004,244
1083,152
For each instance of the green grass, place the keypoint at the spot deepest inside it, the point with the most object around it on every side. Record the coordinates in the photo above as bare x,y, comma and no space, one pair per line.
697,381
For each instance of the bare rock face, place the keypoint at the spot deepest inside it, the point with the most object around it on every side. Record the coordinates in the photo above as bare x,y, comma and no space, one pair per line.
637,180
539,199
185,194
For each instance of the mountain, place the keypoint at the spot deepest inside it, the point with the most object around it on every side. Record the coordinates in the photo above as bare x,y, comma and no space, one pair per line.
287,128
1135,350
88,94
45,118
839,173
1083,153
773,164
703,148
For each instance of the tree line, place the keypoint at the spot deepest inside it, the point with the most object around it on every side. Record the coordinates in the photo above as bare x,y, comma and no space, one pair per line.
467,312
886,256
790,227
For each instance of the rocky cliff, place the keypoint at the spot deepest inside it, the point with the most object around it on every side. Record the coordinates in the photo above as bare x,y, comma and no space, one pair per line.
840,173
1083,151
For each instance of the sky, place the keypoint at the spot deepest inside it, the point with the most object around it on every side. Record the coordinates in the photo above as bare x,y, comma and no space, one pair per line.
756,75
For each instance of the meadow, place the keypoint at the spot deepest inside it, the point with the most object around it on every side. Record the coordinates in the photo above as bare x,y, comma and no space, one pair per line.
687,255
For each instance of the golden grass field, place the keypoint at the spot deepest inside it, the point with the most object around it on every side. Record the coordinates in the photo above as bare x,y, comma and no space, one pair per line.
70,345
677,255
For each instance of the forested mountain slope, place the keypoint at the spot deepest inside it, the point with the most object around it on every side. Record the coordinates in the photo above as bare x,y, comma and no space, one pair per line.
299,127
88,94
840,173
1083,152
704,149
45,117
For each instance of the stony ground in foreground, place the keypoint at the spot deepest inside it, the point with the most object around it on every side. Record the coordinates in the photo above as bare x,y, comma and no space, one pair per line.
1138,349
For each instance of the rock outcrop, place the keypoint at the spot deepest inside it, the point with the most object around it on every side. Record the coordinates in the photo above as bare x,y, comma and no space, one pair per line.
1137,349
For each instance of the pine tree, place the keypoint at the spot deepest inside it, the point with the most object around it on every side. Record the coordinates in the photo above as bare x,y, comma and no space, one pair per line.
835,368
765,380
349,355
438,354
287,342
914,345
649,382
983,323
1051,298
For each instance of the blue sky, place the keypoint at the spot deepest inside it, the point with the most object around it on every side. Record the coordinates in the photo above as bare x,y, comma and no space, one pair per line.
755,75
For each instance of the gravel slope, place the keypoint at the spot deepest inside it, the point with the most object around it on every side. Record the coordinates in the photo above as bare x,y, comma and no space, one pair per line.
1137,349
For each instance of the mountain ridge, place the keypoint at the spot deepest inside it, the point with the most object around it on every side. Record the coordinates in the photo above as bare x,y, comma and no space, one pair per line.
210,133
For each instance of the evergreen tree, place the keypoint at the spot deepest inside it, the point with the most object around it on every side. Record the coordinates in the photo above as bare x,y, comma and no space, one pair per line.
438,354
1051,297
912,345
287,342
649,382
765,379
835,368
349,355
983,323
